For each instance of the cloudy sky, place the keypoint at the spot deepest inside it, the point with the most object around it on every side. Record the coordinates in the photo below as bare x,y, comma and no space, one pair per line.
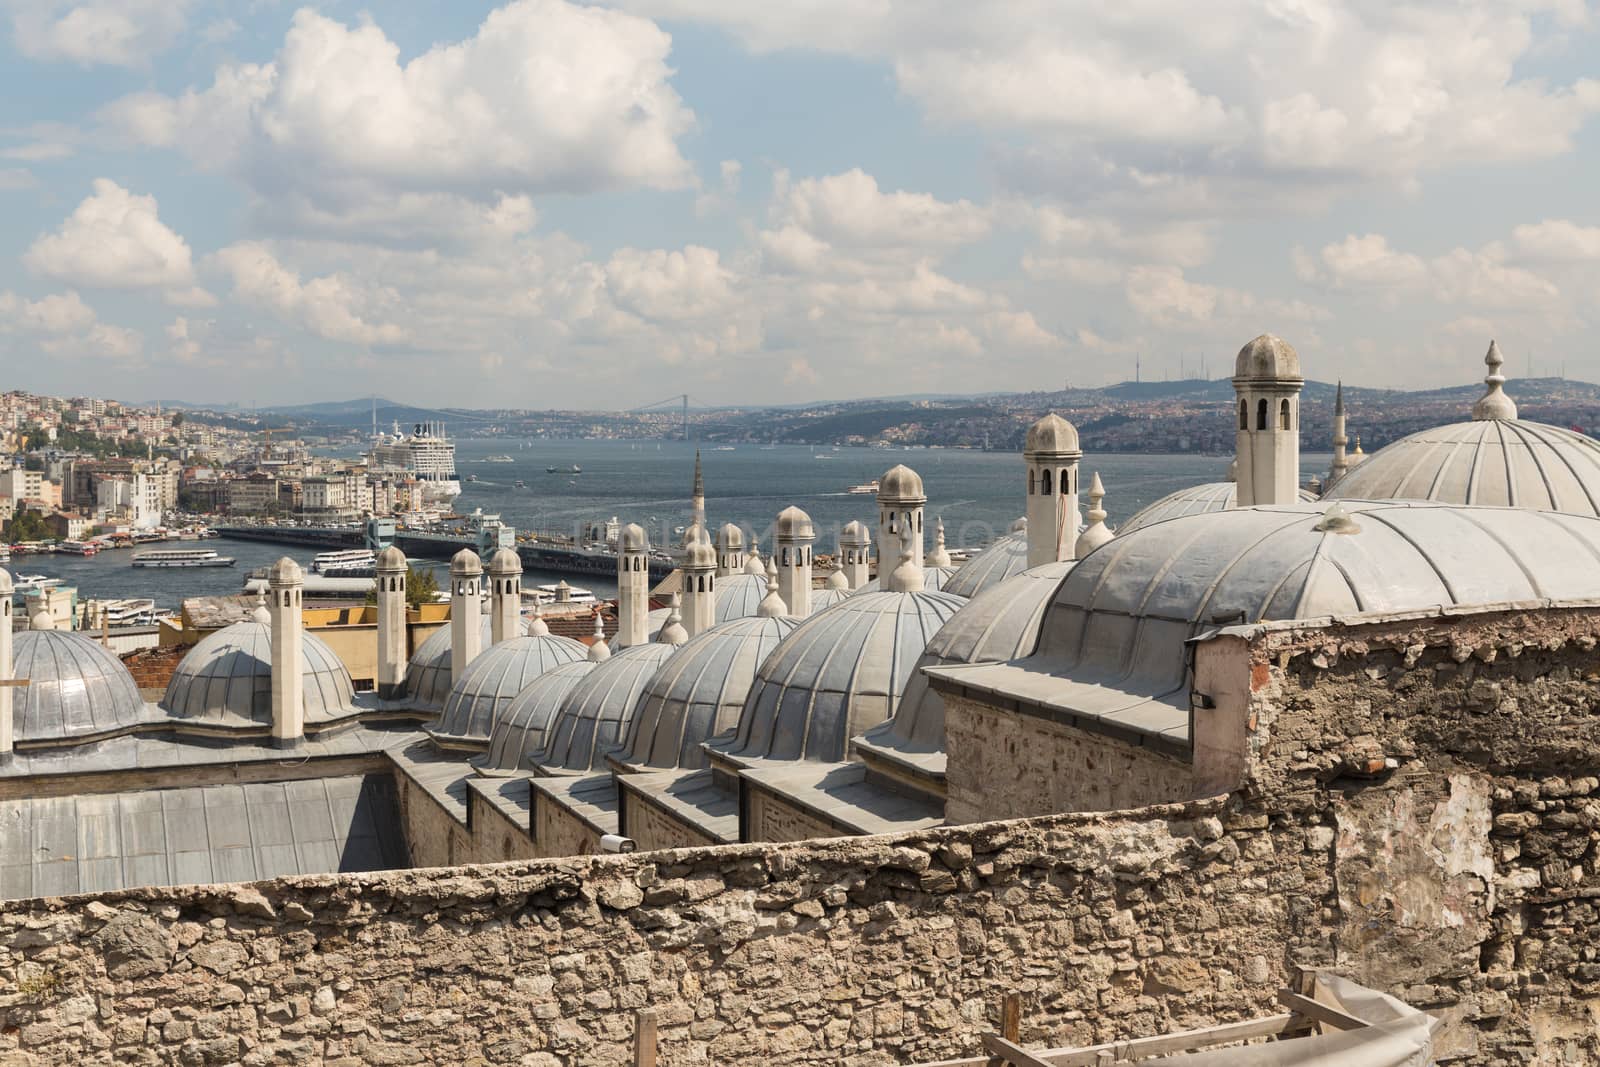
564,204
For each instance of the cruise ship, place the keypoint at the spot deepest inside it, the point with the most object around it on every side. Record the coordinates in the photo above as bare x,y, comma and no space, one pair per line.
426,454
345,563
181,557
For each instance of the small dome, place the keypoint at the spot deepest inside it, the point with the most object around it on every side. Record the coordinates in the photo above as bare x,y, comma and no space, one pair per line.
699,556
520,731
633,539
901,485
1007,556
1051,434
75,687
730,538
285,572
1268,358
595,715
1019,524
839,672
855,532
698,693
227,678
428,678
465,562
836,580
504,562
392,559
738,596
795,525
933,579
493,679
1195,500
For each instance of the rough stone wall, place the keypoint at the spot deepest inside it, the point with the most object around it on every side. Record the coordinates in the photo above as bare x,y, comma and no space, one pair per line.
651,828
1005,765
864,951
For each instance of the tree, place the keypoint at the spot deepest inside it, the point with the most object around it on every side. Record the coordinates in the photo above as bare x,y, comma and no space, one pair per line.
29,526
421,588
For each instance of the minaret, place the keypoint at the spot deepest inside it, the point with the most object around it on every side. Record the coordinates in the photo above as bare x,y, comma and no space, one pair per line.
1097,532
466,608
1341,463
1494,404
900,502
633,587
392,568
699,586
505,596
1267,382
673,632
697,502
1051,454
285,582
940,556
796,535
8,669
730,550
855,551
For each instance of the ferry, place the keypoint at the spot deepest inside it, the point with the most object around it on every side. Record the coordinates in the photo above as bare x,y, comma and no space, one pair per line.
114,613
574,469
345,563
471,478
864,489
498,459
77,548
182,557
520,484
547,594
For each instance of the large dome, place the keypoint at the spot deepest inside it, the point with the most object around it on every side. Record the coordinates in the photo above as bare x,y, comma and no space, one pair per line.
428,678
492,680
839,672
595,714
991,566
698,693
1202,499
227,678
1500,462
519,733
75,687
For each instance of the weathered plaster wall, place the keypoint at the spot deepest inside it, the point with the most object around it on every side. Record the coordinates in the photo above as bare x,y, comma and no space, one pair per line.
770,818
1006,765
558,832
651,828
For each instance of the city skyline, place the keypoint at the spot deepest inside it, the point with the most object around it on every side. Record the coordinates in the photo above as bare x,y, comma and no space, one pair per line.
276,204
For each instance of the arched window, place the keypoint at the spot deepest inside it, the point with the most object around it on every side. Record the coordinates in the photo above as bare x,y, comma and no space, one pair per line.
1261,414
1283,416
1065,482
1031,480
1244,415
1045,490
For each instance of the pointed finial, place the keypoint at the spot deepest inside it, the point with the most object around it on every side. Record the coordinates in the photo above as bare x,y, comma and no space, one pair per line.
837,580
699,480
260,613
772,605
1494,404
673,632
752,562
907,577
1338,398
1097,532
599,651
1357,451
940,556
537,627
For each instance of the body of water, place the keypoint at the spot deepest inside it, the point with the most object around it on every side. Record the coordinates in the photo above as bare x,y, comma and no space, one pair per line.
977,494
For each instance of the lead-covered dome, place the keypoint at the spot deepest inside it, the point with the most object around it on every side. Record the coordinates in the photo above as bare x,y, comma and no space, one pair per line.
1051,434
75,688
1203,499
901,484
493,679
520,732
1005,557
1268,357
698,693
738,596
595,714
428,675
227,678
839,672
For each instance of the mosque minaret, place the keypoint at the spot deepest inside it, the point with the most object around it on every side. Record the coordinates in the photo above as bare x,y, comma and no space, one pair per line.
1341,460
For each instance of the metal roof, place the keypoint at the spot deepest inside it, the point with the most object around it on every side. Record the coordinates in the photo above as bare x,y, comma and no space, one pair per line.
428,677
698,693
75,687
520,731
51,846
738,596
933,580
495,677
1500,462
595,714
227,678
993,565
1195,500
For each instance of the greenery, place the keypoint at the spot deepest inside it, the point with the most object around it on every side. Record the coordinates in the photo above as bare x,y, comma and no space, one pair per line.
69,440
421,588
29,526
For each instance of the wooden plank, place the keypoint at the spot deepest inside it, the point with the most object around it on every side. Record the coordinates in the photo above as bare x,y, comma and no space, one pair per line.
1011,1018
13,683
1145,1047
1319,1012
1010,1053
644,1038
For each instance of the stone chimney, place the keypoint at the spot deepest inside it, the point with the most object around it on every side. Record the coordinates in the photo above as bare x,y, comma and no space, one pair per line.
796,535
505,593
466,609
392,569
285,583
633,587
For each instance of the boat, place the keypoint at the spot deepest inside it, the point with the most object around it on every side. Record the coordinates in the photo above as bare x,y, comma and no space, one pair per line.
5,553
471,478
426,454
77,548
574,469
24,584
498,459
181,557
822,455
345,563
864,489
723,448
136,611
520,484
550,594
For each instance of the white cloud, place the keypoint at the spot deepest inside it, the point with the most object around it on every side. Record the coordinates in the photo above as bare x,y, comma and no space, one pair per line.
119,33
1558,241
1460,276
330,307
849,209
547,96
116,240
669,285
62,324
1166,298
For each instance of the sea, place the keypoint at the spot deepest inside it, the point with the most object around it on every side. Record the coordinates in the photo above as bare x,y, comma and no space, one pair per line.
977,495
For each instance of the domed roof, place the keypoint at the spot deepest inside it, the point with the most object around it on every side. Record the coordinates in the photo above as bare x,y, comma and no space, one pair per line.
227,678
392,559
738,596
596,712
1200,499
1003,558
795,525
699,555
839,672
505,561
466,561
855,532
1268,357
519,732
1051,434
493,679
285,572
75,687
998,624
826,597
633,538
1499,462
428,677
901,484
730,537
933,580
698,693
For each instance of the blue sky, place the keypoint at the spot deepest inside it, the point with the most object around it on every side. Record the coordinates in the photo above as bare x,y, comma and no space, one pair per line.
545,203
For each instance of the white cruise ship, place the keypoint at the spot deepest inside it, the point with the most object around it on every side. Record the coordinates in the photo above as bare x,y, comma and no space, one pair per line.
426,454
181,557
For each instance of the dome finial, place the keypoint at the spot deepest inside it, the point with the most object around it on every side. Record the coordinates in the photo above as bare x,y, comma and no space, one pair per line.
772,605
1097,532
837,580
906,578
260,614
752,560
599,651
537,627
673,632
1337,520
940,557
1494,404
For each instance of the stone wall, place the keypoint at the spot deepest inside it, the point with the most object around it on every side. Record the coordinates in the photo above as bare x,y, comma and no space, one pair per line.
651,828
435,837
771,818
558,832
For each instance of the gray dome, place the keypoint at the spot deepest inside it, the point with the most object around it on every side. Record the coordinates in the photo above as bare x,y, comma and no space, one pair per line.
494,678
1051,434
698,693
519,733
826,597
839,672
1267,357
227,678
901,484
1499,462
738,596
1002,559
428,678
933,580
999,624
75,687
595,714
1202,499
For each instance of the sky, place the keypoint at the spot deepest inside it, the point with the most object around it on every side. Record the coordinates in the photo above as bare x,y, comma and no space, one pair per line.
552,204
